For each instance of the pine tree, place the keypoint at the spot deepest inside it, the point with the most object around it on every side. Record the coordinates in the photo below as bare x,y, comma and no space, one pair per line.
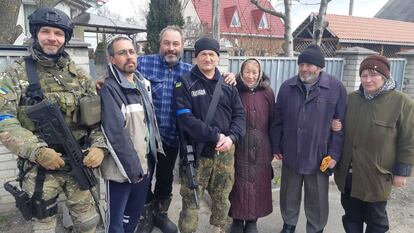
161,14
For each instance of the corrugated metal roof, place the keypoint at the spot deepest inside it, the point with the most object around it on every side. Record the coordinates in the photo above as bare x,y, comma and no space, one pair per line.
401,10
96,23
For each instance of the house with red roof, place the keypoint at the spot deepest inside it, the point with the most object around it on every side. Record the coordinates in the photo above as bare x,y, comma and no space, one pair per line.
387,37
244,29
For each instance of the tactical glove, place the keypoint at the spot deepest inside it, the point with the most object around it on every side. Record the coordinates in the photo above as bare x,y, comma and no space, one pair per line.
94,157
49,159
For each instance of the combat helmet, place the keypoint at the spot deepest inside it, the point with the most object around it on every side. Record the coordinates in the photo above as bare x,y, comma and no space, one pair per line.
52,17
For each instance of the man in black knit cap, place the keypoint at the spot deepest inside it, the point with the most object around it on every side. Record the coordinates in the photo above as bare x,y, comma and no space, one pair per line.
301,137
213,139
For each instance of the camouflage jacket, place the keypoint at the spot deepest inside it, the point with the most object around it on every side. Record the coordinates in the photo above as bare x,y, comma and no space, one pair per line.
62,83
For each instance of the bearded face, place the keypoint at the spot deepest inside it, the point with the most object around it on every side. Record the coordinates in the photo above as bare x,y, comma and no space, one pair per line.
125,57
171,47
308,73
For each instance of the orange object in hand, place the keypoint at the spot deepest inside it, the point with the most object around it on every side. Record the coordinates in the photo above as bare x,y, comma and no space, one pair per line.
325,163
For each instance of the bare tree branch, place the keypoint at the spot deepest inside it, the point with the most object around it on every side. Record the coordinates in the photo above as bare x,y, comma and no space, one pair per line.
288,44
319,25
268,10
9,31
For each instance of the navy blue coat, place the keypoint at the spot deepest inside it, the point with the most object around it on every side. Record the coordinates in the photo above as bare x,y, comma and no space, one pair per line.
301,128
193,97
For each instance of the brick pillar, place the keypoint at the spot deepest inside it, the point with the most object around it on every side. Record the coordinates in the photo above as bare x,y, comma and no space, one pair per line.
224,60
408,87
352,59
78,51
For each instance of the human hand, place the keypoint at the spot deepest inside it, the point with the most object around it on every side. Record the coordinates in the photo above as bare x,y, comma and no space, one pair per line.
224,144
332,163
336,125
278,156
99,82
399,181
94,157
49,159
230,78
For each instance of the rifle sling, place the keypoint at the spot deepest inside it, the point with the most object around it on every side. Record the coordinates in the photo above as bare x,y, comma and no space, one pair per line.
211,111
34,90
40,180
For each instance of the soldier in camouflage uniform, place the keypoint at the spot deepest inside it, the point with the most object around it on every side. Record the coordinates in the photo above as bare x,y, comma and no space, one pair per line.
63,84
215,171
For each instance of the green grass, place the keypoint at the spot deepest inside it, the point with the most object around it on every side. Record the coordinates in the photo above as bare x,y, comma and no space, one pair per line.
4,219
276,180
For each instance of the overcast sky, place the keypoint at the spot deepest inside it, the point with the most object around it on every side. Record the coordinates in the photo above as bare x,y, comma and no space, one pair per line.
363,8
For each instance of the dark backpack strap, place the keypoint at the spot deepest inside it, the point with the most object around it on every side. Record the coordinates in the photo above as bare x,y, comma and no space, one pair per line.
40,180
42,208
34,90
214,101
211,111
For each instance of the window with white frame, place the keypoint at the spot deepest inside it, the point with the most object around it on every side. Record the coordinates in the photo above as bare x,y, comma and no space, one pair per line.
263,22
235,20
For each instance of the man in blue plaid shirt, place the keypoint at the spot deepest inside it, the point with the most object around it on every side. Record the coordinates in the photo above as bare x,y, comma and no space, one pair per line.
164,70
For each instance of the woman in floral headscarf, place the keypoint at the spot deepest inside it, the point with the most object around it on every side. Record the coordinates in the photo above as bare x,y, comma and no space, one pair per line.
251,197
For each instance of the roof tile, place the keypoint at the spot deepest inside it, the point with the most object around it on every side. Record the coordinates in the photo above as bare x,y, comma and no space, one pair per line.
353,28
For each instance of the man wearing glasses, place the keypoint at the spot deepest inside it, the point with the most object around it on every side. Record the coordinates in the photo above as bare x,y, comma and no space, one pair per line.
129,125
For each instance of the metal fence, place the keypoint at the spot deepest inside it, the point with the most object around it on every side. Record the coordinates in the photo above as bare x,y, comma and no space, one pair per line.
280,69
397,66
9,53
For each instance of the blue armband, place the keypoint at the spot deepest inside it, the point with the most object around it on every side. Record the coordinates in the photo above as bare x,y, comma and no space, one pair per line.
6,116
183,111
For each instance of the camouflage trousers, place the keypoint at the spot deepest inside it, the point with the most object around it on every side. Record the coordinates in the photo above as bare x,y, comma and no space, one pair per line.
80,203
216,175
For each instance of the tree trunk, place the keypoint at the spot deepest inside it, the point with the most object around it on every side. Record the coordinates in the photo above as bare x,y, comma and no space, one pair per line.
215,25
9,31
320,24
351,7
288,44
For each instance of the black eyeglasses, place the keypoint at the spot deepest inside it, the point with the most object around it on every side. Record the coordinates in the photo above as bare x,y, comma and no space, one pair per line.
125,52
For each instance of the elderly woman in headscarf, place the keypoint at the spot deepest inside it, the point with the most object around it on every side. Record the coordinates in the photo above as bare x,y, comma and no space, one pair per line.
378,149
251,197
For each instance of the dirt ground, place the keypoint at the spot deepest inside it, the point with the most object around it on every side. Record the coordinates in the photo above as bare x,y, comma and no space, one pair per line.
400,211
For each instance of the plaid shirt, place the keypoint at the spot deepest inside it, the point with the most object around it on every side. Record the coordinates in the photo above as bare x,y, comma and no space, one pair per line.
163,79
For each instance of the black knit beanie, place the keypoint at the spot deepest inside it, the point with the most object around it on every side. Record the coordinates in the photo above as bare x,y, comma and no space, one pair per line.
206,43
312,55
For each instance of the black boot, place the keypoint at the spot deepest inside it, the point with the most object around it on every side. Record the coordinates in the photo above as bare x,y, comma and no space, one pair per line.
288,228
145,223
237,226
161,219
251,227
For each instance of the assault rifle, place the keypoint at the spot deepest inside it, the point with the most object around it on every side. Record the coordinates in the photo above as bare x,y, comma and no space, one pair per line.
188,164
57,135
